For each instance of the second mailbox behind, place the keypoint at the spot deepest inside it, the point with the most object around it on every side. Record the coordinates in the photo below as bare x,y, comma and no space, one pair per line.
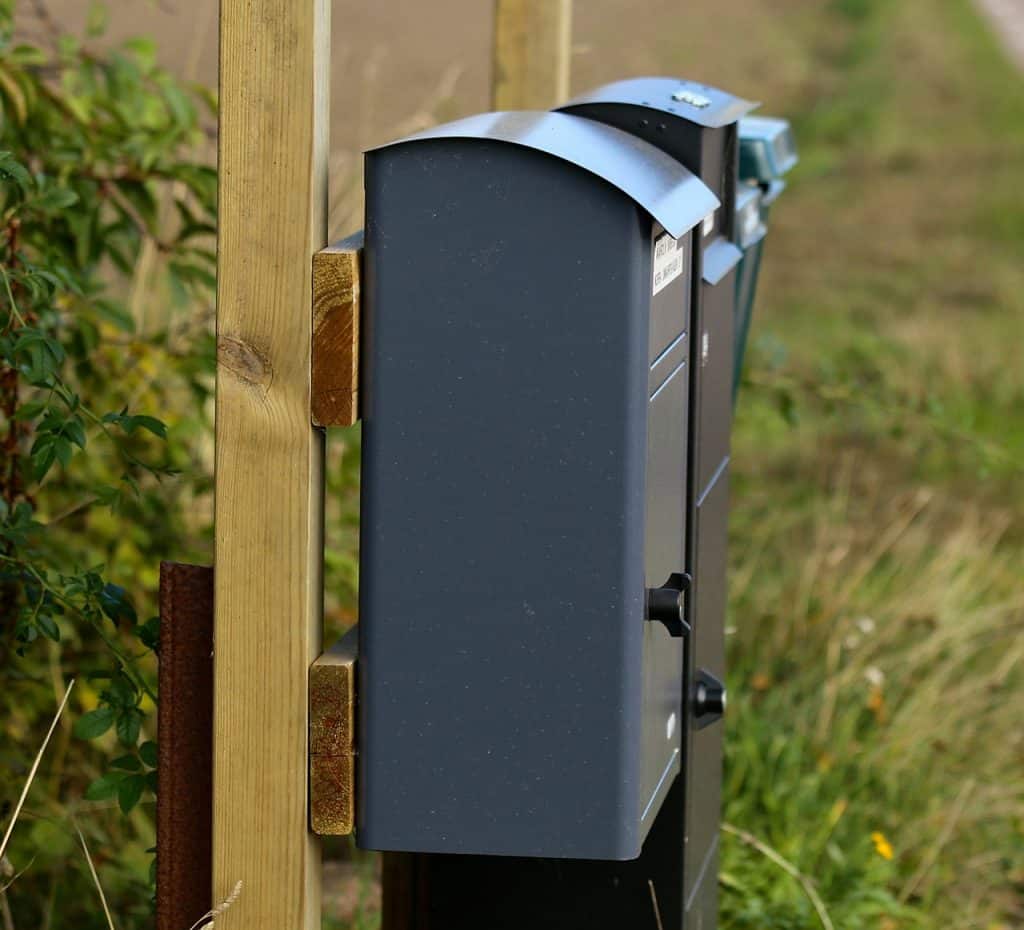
528,299
698,126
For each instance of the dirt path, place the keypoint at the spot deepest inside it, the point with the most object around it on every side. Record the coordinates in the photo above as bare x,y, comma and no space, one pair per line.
1007,17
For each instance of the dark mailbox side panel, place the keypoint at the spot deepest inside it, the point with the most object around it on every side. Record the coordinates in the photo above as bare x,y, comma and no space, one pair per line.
711,428
704,771
713,377
666,522
503,503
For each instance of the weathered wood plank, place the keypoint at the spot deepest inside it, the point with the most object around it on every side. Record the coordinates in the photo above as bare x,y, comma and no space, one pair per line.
532,52
274,72
336,309
332,711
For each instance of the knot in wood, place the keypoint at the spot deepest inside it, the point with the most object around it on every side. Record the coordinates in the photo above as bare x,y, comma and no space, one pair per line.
245,361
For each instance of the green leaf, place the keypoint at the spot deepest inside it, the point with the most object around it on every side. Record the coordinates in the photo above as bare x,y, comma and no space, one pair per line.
190,273
42,457
144,51
48,627
13,170
96,22
75,431
30,410
115,313
95,723
55,198
122,693
63,450
127,763
149,633
108,496
105,787
129,724
114,602
130,423
130,792
151,424
148,753
28,55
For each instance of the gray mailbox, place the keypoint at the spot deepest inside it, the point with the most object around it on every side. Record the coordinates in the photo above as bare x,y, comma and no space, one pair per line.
698,126
529,285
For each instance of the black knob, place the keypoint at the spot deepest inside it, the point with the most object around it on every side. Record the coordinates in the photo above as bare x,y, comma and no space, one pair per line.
667,606
709,699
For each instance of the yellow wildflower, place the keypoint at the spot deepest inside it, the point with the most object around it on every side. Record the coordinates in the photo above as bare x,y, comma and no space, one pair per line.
882,846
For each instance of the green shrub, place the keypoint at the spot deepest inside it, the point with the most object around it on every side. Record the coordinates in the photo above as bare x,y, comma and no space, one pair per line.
108,213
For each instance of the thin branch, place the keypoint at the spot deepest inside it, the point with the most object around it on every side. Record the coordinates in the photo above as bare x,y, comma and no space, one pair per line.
136,218
787,867
13,879
34,769
72,510
5,910
10,297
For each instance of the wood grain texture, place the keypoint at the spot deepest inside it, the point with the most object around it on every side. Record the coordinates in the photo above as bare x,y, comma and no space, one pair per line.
332,717
336,310
274,78
532,52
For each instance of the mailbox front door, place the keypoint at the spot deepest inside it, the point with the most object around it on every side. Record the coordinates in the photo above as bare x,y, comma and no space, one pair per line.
665,536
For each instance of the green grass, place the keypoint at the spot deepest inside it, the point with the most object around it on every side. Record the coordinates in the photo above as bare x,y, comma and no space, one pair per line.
876,606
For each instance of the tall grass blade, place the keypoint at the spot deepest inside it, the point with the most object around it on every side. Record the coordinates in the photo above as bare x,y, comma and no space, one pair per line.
34,769
788,868
95,878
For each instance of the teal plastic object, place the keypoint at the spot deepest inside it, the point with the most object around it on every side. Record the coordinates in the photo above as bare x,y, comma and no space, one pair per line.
767,153
767,149
750,233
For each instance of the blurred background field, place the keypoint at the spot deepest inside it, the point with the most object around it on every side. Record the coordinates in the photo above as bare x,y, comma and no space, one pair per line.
875,742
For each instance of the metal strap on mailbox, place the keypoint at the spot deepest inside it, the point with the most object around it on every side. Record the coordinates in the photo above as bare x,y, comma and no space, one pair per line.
658,183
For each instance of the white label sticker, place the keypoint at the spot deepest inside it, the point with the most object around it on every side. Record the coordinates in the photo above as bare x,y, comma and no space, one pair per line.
668,261
709,223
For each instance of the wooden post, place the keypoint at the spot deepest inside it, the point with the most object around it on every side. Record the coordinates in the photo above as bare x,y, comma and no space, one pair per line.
532,51
274,74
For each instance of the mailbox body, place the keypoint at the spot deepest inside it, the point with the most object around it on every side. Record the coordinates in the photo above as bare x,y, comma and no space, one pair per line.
526,395
698,126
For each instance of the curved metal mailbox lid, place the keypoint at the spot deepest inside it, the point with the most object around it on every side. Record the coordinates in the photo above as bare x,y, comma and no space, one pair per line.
672,195
698,103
